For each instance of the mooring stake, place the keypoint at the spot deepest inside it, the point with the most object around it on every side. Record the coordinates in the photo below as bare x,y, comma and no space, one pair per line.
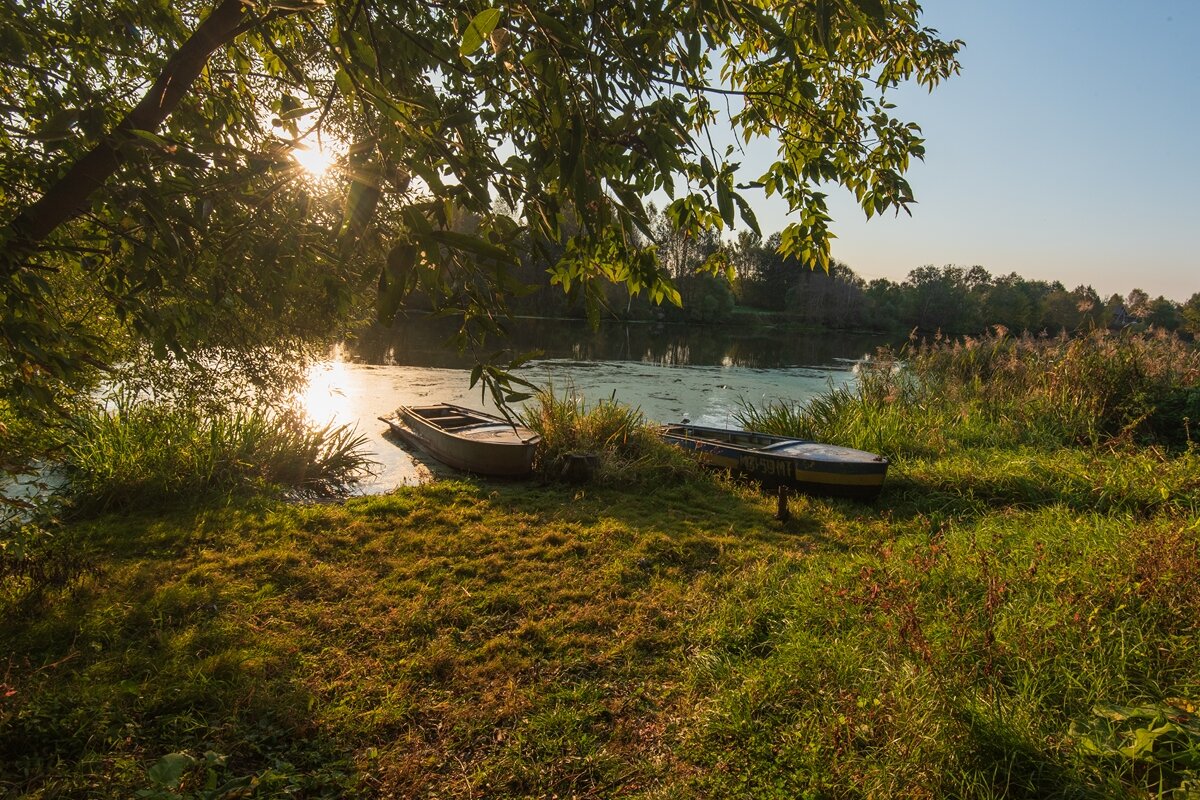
781,509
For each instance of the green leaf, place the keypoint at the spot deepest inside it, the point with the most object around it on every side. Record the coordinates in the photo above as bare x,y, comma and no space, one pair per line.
693,46
344,83
873,9
58,127
725,201
416,220
747,213
396,281
471,244
478,30
1142,746
572,147
168,771
363,51
824,24
297,112
151,137
400,262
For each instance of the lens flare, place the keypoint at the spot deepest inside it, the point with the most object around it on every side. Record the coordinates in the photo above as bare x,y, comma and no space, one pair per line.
313,159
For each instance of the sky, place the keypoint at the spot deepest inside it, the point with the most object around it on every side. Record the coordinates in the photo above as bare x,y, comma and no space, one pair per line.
1068,149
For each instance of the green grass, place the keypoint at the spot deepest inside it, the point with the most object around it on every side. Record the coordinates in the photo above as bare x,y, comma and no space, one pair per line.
144,453
1012,618
510,641
628,451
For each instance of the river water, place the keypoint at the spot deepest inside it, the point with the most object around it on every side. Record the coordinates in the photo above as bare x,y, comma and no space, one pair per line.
669,372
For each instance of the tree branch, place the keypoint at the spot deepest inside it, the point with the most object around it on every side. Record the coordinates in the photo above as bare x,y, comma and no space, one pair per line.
68,196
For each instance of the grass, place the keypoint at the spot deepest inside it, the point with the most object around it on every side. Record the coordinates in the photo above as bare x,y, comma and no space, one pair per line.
628,451
140,452
1102,390
1010,619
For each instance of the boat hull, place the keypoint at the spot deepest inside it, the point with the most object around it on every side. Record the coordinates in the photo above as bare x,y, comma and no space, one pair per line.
466,439
776,461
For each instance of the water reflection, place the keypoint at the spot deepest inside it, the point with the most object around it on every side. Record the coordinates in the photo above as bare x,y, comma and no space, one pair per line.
424,341
670,373
324,398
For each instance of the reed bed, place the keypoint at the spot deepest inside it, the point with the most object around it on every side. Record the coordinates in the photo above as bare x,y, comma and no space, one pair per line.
1101,389
142,452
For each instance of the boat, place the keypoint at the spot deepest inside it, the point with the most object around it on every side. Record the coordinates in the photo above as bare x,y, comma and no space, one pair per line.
779,462
467,439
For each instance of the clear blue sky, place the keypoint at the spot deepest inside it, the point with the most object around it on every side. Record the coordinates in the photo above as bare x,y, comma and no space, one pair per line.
1068,149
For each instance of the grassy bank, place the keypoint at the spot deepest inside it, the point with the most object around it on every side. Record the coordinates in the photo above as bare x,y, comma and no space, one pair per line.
1013,618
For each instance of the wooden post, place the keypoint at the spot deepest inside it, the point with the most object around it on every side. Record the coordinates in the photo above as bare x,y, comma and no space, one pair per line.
781,509
580,466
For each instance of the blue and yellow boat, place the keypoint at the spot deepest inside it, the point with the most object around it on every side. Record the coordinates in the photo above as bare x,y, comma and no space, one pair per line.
776,461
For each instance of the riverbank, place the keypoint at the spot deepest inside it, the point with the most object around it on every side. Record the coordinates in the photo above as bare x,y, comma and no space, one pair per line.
1016,616
968,635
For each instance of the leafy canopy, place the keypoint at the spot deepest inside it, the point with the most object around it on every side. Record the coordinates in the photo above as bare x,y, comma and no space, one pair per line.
148,189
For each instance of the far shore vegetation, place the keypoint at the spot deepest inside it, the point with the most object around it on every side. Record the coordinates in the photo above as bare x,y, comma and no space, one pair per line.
749,280
1018,615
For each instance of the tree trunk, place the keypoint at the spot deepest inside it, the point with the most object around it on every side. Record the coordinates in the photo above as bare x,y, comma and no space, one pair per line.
68,197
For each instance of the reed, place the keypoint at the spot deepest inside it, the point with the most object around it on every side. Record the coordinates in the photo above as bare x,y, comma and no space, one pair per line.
1002,391
1092,389
141,452
629,451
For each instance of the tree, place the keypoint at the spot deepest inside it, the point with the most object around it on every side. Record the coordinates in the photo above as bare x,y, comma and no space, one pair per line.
1137,303
1006,304
1191,315
938,299
1163,313
766,274
173,214
835,298
884,300
1090,307
1060,311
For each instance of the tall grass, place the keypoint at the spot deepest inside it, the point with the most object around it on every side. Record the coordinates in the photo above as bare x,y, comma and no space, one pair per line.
628,449
1003,391
143,452
1087,390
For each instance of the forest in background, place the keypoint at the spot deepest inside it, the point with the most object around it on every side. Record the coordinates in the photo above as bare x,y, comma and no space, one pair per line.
715,278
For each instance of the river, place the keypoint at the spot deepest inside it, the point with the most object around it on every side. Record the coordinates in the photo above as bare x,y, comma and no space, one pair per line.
669,372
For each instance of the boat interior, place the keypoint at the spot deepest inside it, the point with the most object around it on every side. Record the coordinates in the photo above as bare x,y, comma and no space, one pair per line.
748,439
451,418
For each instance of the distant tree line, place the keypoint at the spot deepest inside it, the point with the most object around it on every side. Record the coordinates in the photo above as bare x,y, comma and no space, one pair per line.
952,299
714,278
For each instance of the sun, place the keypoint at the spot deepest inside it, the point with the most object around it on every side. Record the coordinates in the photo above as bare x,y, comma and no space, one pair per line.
313,159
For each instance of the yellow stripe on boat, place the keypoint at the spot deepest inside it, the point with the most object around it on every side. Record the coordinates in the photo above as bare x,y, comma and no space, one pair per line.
838,478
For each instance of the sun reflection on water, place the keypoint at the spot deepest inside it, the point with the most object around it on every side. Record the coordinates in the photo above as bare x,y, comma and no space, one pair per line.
324,399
